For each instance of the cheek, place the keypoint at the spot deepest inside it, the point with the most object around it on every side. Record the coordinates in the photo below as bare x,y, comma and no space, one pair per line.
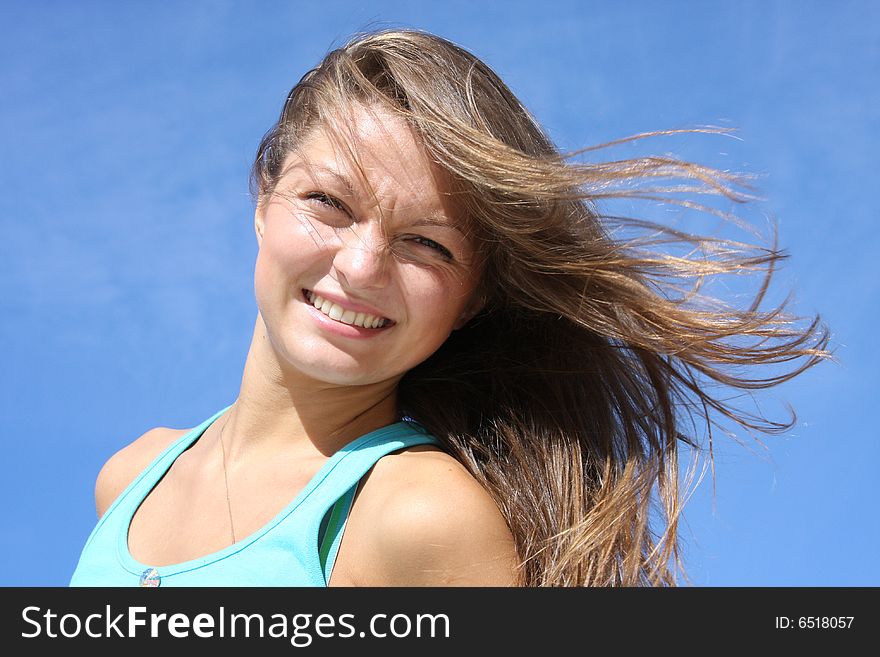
291,244
281,261
265,285
437,300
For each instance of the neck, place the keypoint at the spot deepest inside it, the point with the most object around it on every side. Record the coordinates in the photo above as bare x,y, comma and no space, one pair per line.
278,407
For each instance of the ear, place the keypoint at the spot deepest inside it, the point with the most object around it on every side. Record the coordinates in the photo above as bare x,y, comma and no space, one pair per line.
259,222
476,304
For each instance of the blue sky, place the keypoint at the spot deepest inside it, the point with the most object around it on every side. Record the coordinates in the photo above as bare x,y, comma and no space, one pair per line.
126,297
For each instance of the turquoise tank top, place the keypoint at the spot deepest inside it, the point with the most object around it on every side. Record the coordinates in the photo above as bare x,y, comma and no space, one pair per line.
296,548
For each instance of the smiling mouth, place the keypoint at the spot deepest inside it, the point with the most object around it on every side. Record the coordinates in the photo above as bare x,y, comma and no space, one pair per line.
339,314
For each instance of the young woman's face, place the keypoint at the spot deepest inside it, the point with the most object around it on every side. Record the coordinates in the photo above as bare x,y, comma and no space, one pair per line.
374,242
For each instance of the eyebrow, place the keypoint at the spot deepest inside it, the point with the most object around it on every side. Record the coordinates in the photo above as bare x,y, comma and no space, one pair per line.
349,187
341,178
432,221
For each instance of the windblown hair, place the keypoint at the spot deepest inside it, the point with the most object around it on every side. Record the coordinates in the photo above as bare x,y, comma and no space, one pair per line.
595,357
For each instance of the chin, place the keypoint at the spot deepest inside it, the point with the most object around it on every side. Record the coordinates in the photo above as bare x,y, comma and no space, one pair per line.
342,374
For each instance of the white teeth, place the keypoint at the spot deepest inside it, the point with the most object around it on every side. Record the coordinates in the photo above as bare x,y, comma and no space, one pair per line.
340,314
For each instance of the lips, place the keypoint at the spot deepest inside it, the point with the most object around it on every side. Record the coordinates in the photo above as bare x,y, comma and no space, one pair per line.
340,313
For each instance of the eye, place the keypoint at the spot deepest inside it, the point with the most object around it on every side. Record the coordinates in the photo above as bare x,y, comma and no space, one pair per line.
327,200
431,244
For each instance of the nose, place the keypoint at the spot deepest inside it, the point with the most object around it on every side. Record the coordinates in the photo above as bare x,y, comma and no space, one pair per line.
361,261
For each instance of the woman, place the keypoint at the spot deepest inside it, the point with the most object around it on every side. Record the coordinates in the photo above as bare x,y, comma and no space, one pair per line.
457,376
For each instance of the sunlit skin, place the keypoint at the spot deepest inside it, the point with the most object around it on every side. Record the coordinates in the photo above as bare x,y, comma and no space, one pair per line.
380,237
376,235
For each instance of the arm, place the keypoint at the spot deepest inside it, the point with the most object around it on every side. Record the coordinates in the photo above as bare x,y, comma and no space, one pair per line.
440,528
126,464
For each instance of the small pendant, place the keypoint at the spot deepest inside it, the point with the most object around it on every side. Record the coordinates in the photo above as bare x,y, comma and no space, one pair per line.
150,578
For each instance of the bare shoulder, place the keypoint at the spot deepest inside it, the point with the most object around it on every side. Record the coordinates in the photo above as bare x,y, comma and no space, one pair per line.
126,464
431,523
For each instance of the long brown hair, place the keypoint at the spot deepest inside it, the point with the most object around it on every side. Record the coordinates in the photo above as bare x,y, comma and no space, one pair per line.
594,356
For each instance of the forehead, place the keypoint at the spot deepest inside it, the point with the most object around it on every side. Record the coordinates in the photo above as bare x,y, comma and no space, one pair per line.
376,151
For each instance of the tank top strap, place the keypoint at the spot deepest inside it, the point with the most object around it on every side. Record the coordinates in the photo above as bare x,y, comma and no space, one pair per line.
132,496
326,508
